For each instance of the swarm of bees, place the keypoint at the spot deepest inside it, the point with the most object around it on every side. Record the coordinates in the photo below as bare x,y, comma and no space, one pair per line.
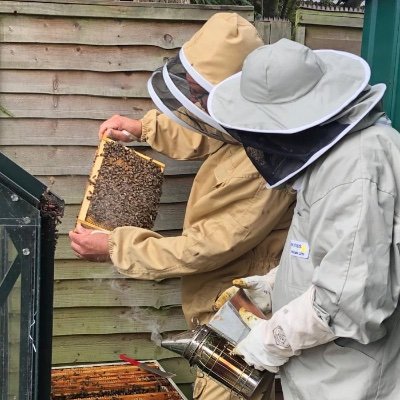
124,189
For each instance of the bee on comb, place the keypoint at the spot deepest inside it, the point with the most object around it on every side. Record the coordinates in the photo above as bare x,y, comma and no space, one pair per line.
124,189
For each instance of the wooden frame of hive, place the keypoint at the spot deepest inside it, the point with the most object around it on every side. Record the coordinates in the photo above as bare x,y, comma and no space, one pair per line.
98,161
171,389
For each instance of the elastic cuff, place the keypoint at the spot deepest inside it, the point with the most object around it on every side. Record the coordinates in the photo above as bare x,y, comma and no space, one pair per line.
145,132
110,245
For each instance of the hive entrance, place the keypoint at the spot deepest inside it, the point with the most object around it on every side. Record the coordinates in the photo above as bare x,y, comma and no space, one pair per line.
124,189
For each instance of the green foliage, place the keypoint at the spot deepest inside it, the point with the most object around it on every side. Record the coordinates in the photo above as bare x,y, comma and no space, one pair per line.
287,9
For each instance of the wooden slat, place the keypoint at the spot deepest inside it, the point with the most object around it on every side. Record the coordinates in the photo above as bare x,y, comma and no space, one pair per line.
170,216
80,269
315,17
64,252
73,160
112,320
82,57
116,293
104,348
300,34
279,30
52,132
175,189
109,293
272,31
59,106
110,84
106,9
40,131
336,38
116,32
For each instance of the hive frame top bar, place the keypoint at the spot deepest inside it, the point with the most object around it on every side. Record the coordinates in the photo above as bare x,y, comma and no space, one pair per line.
99,157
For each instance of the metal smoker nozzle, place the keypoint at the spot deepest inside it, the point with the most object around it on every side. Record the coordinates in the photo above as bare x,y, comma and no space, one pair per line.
178,343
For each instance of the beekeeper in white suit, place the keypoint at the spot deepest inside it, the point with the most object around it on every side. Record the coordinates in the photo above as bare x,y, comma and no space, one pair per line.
309,119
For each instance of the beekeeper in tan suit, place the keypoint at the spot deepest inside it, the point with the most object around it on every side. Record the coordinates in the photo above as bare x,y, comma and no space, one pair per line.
234,226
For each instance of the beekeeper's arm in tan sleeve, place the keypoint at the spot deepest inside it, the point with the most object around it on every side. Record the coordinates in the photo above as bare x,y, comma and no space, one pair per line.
162,134
235,218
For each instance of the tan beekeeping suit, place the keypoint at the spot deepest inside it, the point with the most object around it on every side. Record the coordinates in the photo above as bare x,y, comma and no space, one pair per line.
234,226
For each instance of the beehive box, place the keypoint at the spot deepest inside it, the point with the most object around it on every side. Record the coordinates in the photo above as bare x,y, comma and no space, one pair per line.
124,189
112,381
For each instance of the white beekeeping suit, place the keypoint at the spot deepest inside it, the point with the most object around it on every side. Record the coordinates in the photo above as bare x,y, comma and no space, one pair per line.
335,330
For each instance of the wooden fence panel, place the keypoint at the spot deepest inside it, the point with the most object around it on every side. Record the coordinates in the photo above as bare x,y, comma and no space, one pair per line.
273,30
330,28
89,31
65,66
110,84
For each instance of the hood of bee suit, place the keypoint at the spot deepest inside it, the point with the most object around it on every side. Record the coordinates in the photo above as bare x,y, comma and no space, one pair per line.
214,53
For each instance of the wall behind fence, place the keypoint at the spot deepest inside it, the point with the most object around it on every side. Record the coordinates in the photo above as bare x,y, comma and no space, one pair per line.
329,28
65,66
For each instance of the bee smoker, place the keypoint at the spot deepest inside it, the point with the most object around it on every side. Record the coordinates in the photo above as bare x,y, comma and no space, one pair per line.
212,353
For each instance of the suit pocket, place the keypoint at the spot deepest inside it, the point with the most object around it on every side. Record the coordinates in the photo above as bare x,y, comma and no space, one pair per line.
332,372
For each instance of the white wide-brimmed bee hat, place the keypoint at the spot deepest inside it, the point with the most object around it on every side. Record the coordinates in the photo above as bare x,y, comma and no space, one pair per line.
290,104
286,87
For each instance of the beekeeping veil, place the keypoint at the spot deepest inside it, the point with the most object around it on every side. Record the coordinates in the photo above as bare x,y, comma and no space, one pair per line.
180,88
290,105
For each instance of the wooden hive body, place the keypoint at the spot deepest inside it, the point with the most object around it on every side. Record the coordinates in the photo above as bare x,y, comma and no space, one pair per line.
113,381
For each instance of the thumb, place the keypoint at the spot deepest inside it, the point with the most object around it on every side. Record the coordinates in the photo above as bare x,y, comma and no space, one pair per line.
240,283
256,282
225,297
246,283
249,318
80,229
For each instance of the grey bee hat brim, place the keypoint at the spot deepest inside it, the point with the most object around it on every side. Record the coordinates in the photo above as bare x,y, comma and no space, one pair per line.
286,88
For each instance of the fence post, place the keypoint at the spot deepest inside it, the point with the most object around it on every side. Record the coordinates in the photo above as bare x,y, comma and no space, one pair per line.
272,30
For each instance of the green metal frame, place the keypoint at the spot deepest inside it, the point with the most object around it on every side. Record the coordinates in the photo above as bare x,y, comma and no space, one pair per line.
381,49
36,274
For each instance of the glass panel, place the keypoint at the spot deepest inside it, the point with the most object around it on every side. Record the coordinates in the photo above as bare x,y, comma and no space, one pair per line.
14,339
19,230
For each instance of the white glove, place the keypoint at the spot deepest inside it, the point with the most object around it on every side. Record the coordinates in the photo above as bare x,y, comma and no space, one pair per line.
298,325
258,289
250,353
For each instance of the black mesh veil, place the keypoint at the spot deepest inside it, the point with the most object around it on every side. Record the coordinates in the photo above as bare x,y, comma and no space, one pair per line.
280,157
179,97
